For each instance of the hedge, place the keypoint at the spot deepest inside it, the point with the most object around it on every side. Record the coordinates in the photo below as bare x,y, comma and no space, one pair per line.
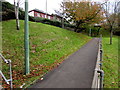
51,22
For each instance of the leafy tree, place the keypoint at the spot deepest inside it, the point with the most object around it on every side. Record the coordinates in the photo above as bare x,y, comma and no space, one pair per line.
82,11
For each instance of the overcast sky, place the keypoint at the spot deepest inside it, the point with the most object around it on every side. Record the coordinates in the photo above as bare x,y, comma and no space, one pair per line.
41,4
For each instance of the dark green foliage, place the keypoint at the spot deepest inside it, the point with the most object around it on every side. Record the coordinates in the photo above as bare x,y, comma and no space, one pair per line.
116,30
69,25
95,31
47,21
7,11
6,6
117,33
51,22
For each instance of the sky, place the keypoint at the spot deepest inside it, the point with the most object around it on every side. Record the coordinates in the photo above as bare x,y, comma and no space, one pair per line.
41,4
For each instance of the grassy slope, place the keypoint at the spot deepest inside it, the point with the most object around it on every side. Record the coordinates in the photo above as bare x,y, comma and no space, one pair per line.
49,46
110,63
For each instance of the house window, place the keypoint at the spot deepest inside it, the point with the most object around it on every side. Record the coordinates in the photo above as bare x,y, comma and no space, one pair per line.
38,14
48,17
42,15
45,16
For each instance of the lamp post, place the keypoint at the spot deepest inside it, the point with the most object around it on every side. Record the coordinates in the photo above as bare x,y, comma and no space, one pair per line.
63,16
46,8
26,39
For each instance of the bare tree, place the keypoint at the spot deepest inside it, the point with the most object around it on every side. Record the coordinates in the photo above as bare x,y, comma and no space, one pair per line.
110,9
17,6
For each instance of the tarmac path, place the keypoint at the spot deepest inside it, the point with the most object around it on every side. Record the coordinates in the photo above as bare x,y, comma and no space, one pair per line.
77,71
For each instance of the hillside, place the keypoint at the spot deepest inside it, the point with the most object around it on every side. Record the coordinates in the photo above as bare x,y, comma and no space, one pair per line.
49,46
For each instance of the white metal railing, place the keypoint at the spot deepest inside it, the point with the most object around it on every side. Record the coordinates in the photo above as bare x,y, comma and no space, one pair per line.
8,81
97,83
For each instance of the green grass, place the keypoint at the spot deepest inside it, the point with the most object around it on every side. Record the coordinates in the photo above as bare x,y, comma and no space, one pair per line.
49,46
110,62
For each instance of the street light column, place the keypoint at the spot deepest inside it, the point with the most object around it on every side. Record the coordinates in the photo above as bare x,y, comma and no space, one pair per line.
26,39
63,16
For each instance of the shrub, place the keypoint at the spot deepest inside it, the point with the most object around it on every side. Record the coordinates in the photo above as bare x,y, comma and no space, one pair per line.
47,21
9,13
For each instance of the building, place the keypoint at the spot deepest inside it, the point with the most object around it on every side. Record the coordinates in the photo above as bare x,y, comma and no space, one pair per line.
42,14
57,17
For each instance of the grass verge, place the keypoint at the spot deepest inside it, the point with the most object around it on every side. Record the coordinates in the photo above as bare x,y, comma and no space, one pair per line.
110,62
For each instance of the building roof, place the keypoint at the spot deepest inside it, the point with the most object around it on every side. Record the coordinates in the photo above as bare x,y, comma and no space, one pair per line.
40,11
37,10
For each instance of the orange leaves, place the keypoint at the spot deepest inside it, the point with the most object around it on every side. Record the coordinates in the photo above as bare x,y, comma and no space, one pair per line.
33,48
82,9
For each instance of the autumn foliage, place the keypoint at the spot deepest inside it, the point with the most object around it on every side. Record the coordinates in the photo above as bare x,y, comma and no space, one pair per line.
82,11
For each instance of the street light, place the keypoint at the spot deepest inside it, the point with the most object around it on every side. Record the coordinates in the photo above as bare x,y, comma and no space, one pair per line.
46,8
26,39
63,15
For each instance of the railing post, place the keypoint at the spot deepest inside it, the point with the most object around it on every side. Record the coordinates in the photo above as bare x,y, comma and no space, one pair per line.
8,81
97,83
11,86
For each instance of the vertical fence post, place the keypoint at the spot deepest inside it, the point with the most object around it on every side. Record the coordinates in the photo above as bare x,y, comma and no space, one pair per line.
11,86
101,71
0,40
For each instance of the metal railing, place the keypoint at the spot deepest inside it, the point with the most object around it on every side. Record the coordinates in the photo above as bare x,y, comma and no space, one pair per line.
97,83
8,81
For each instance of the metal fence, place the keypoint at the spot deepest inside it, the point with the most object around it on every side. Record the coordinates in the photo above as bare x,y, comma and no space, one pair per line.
97,83
8,81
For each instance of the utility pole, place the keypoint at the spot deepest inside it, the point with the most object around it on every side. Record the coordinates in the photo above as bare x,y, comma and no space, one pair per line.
63,16
26,39
46,8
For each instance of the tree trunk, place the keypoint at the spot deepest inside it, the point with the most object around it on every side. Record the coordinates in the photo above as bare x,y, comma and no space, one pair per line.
98,31
62,22
17,21
111,34
78,24
17,15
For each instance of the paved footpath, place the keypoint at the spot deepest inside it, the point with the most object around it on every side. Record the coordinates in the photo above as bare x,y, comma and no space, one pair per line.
76,71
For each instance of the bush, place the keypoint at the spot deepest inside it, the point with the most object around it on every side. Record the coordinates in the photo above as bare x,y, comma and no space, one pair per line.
69,25
94,30
47,21
9,13
51,22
